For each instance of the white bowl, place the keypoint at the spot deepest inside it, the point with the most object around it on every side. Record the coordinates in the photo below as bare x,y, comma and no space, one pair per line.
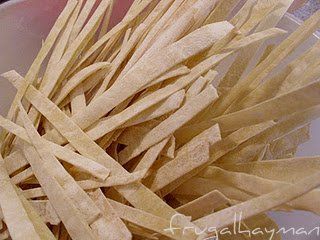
24,24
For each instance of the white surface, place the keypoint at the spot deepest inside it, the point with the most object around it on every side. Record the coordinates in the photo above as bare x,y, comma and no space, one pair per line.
24,24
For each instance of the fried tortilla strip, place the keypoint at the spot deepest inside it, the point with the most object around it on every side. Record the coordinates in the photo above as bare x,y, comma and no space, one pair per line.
282,147
151,155
296,168
61,45
149,221
171,124
114,223
123,54
18,220
72,53
46,211
78,78
83,16
169,105
221,11
175,72
147,69
151,35
247,54
179,51
170,148
181,168
163,93
204,205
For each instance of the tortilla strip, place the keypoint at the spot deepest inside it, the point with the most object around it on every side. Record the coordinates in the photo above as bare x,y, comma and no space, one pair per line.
171,124
170,148
175,72
71,217
83,163
46,211
79,78
180,168
153,31
271,109
196,87
246,55
255,37
149,221
142,75
221,11
83,16
296,168
151,155
74,50
61,45
114,223
166,106
264,68
204,205
78,100
125,50
15,215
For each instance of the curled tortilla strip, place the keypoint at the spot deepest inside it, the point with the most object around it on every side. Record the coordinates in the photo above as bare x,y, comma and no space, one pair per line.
171,124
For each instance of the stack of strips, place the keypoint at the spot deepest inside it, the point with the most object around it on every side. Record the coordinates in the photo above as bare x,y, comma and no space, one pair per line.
160,127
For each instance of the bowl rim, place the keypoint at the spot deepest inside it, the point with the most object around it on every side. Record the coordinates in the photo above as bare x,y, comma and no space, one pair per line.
7,4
